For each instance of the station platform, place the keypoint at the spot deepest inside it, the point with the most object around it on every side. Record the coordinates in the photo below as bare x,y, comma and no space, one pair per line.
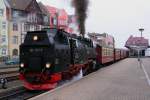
124,80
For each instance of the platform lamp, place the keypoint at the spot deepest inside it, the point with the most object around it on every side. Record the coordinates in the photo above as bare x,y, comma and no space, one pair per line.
141,30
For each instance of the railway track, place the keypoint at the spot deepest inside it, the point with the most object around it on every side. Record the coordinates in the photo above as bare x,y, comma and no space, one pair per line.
11,74
9,66
12,78
8,71
19,93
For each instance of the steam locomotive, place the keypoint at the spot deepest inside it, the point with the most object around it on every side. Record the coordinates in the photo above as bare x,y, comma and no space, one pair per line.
51,55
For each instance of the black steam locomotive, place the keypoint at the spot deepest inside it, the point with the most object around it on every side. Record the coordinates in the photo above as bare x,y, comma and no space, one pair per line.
51,55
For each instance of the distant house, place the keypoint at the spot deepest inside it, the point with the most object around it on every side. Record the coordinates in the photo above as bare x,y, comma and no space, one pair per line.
58,18
147,52
103,39
53,16
3,29
136,42
62,19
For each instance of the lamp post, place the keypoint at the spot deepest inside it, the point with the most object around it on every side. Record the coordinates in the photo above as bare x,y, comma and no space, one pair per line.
141,30
139,51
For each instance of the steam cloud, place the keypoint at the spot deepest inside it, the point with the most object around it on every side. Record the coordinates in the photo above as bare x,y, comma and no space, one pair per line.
81,7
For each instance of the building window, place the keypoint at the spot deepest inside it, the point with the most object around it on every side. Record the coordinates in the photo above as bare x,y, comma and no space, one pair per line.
46,19
16,13
15,52
15,27
54,21
3,25
37,27
1,12
26,27
31,28
15,40
3,38
3,51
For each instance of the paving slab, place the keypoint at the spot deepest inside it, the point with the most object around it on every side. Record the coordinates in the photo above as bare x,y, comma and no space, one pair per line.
124,80
146,63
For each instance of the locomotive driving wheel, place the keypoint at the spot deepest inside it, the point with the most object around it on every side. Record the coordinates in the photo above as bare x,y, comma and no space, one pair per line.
92,66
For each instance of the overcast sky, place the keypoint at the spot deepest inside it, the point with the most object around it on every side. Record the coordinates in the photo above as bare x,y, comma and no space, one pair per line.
120,18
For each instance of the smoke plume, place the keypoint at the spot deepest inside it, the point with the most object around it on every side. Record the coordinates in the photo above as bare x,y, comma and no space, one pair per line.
81,7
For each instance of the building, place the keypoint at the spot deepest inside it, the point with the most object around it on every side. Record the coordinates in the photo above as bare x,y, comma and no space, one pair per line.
3,30
58,18
53,20
62,19
45,15
147,52
133,42
22,16
103,39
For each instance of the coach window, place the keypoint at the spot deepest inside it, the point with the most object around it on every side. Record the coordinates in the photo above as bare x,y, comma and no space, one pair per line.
107,52
110,52
104,51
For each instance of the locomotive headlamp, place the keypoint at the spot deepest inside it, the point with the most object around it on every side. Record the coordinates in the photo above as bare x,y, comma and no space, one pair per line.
48,65
35,38
22,65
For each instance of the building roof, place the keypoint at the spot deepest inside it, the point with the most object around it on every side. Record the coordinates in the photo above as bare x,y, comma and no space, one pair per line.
52,10
19,4
136,41
102,39
43,8
62,14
